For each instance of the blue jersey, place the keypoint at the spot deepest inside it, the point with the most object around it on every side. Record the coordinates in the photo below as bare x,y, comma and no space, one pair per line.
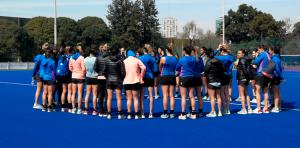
261,61
227,61
49,67
169,66
199,70
186,66
278,66
151,65
37,64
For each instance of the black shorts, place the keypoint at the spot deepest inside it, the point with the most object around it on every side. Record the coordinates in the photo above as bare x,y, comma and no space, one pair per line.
262,81
210,86
113,85
197,81
275,81
167,80
91,81
64,79
225,80
156,74
244,83
187,82
49,82
37,78
135,87
77,81
148,82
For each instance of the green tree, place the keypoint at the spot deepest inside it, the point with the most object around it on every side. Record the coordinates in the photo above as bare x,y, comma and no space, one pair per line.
296,31
8,31
93,30
67,31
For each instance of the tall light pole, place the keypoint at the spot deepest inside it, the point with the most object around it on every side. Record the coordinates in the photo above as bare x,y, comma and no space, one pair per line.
55,26
223,17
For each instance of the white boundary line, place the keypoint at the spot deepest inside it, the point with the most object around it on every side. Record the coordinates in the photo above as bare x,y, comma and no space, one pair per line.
237,104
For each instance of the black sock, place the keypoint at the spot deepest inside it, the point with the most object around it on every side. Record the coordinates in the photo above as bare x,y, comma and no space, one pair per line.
190,108
171,111
120,113
193,112
199,110
165,111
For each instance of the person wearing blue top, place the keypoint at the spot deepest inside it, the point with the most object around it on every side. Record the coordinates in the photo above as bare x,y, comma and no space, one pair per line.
198,74
36,77
48,75
91,82
227,61
63,76
167,67
186,66
160,53
151,67
262,82
277,77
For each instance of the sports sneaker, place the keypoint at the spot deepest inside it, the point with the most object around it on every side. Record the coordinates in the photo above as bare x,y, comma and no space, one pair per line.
85,112
63,110
44,108
220,114
120,116
69,110
108,116
257,111
193,116
242,112
275,110
73,111
136,117
156,97
79,112
150,116
211,114
250,111
37,106
205,98
164,116
266,111
94,113
182,117
227,112
143,116
253,101
129,117
188,115
172,116
238,99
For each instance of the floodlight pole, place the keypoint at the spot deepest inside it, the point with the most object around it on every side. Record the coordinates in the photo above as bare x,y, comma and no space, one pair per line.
55,25
223,17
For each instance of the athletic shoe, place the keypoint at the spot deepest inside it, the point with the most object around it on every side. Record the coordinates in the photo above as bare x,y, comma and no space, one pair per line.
69,110
227,112
150,116
85,112
109,116
266,111
63,110
220,114
275,110
250,111
100,115
172,116
242,112
143,116
94,113
211,114
205,98
188,115
120,116
177,95
136,117
73,111
44,108
164,116
253,101
156,97
257,111
48,110
182,117
129,117
193,116
37,106
238,99
196,98
79,112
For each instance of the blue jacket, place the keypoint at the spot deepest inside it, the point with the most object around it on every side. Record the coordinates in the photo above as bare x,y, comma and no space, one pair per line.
261,61
199,70
169,67
151,65
278,67
186,66
62,68
37,64
48,68
227,61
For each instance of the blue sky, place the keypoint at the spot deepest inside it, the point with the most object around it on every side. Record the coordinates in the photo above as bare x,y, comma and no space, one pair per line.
203,12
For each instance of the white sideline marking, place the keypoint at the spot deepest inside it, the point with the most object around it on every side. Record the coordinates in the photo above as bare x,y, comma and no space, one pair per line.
237,104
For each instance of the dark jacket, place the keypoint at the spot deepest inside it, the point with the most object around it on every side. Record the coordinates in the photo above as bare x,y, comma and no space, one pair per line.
242,69
114,69
214,70
100,63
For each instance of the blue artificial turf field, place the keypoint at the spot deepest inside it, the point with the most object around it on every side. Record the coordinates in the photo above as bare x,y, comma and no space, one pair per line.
23,127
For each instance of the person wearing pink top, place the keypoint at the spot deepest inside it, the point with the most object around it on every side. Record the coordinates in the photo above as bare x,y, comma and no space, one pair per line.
135,71
77,67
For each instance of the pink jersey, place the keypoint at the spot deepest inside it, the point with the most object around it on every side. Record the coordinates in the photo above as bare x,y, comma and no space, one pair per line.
77,68
135,70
